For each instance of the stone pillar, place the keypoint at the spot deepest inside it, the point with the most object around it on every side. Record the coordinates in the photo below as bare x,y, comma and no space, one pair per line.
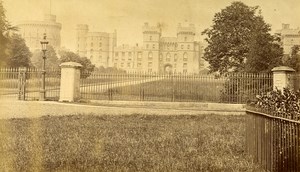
70,82
282,77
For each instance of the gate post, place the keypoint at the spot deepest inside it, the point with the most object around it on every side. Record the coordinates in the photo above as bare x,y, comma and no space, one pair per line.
282,77
22,83
70,81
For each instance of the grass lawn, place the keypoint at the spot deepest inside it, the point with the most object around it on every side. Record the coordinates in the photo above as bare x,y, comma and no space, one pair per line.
165,90
124,143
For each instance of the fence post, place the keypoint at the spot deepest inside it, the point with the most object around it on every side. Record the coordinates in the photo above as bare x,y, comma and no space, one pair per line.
282,77
22,83
70,82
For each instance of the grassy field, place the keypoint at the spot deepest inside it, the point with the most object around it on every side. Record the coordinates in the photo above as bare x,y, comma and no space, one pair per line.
165,90
124,143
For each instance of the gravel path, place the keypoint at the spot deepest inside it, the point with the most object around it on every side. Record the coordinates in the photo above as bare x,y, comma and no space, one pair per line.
10,108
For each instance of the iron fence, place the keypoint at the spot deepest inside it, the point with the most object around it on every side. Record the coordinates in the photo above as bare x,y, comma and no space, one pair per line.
273,142
25,83
232,88
9,81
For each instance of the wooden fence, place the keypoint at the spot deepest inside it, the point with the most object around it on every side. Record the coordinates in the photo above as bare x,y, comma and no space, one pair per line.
273,142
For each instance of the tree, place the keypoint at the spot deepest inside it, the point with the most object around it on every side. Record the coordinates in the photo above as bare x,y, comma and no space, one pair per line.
238,39
52,61
4,28
19,53
293,60
87,66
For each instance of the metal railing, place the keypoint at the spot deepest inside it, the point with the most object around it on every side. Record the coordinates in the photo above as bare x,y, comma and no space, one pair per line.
272,141
26,83
232,88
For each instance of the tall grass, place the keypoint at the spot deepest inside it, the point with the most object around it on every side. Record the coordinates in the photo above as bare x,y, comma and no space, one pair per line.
124,143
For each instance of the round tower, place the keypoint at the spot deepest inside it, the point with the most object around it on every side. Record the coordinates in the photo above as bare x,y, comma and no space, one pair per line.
82,31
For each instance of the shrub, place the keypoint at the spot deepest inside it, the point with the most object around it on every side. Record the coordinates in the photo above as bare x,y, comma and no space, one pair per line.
280,103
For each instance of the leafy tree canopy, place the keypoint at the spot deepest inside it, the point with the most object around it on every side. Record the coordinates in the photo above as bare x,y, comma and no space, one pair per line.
19,53
239,39
4,25
87,66
52,61
293,60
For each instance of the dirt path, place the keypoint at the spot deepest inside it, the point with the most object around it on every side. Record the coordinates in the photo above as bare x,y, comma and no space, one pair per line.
11,108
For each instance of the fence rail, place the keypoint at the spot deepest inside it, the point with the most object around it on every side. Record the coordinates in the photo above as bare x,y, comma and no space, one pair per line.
14,81
273,142
233,88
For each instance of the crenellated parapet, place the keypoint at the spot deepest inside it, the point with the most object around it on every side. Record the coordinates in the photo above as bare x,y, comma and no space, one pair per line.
151,29
190,29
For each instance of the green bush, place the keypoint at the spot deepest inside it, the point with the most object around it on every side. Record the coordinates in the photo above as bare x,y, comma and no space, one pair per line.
280,103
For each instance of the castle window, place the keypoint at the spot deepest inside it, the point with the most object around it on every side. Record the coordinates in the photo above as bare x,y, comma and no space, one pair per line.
150,38
153,46
168,58
175,57
150,56
188,47
181,46
92,44
149,64
139,64
100,44
185,39
128,64
185,57
160,57
184,65
139,58
117,54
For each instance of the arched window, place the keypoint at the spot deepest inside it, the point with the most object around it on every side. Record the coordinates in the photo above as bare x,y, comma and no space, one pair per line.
150,56
185,57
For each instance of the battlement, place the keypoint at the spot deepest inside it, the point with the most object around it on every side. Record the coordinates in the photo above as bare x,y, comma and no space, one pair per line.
190,29
150,29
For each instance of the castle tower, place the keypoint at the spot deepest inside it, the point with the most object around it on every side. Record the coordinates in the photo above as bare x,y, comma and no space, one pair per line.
82,31
150,57
188,51
112,45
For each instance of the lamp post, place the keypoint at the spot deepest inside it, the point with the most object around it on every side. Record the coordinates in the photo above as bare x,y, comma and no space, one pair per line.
44,43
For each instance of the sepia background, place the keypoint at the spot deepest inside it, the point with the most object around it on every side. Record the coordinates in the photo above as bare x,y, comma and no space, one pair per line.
128,16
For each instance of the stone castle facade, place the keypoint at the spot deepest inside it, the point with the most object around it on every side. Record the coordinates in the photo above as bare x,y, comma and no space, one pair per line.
289,37
33,31
156,54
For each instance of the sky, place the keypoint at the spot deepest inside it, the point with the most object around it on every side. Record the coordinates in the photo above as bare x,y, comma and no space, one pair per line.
128,16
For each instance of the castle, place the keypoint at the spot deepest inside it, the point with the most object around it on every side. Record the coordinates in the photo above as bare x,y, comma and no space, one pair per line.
289,37
159,54
33,31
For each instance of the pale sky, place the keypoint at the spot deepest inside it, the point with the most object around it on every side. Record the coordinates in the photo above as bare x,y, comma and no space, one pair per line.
128,16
